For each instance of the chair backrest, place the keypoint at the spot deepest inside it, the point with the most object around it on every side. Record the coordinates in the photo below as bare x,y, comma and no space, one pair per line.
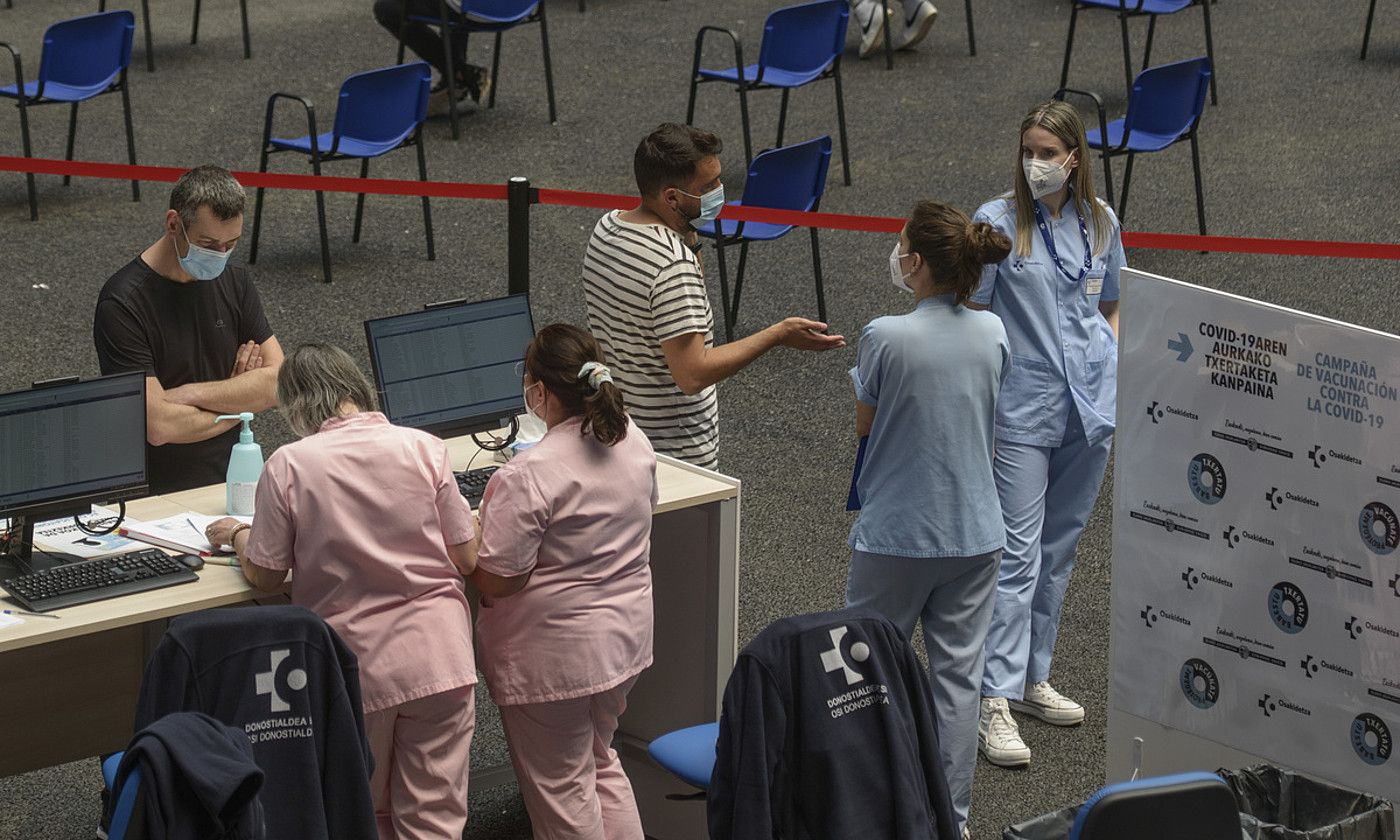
499,11
384,106
790,178
88,52
805,38
1185,806
1168,99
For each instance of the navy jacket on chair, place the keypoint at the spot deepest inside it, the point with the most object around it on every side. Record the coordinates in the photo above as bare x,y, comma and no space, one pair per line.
282,676
828,733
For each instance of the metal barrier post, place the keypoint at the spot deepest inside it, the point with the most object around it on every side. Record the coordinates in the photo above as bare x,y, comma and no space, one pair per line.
519,197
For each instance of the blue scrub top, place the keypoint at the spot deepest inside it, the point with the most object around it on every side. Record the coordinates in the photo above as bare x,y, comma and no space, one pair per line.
926,488
1063,354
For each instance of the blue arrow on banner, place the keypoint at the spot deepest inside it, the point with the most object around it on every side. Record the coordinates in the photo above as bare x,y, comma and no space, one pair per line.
1181,347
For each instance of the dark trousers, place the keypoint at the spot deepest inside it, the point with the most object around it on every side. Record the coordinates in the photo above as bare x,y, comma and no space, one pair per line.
424,40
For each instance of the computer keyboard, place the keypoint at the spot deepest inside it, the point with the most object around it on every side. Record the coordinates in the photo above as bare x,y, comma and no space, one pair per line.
95,580
473,483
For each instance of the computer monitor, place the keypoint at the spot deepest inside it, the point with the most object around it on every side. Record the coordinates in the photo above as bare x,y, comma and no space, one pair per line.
66,446
451,369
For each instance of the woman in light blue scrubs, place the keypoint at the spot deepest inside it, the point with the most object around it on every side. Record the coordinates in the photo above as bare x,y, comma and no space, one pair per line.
1057,294
930,532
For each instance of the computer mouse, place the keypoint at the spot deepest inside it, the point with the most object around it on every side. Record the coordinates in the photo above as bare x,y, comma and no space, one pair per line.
191,561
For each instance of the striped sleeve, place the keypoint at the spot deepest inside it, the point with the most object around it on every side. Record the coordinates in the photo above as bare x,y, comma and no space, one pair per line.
679,303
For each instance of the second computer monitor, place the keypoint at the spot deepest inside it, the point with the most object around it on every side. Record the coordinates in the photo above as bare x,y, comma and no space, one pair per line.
451,369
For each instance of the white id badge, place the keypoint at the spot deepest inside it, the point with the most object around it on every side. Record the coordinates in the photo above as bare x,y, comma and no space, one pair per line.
1093,283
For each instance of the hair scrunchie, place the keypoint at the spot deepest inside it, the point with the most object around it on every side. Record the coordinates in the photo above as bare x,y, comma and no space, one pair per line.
596,374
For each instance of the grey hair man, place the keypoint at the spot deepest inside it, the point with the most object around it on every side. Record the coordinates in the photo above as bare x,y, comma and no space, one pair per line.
196,326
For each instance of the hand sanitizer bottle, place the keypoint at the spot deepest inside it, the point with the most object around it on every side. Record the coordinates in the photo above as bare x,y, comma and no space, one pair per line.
245,465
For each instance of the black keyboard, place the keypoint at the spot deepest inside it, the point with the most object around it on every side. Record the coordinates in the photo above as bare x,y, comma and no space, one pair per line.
96,580
473,483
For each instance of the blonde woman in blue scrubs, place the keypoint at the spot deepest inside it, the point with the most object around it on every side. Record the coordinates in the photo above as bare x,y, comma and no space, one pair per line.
930,533
1057,295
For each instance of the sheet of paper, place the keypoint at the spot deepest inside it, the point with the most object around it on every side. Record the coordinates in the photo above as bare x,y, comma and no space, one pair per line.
9,620
185,531
62,535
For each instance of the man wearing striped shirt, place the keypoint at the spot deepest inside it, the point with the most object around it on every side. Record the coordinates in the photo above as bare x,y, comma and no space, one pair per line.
644,286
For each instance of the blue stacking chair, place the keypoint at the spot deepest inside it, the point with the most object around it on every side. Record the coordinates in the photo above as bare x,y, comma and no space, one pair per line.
1366,39
688,753
801,44
126,816
1165,108
83,58
379,111
790,178
1151,9
485,16
1184,806
194,30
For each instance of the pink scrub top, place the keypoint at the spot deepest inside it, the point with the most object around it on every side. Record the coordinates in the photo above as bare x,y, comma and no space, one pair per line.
577,514
363,511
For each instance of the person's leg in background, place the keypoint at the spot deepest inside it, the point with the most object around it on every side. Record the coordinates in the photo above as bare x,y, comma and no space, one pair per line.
427,783
426,42
379,733
891,586
1075,476
1021,472
621,820
955,618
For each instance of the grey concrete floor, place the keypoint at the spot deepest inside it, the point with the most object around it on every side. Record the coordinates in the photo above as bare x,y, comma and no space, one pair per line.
1301,145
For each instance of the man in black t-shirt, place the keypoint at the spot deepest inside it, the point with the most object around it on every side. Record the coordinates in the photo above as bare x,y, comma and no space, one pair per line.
196,327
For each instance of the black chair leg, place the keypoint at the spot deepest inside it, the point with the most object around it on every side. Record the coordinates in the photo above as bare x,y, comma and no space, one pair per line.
427,209
548,68
723,284
1069,43
1365,39
321,213
1127,55
194,29
360,202
972,38
1107,174
130,137
817,273
247,40
28,153
495,72
1147,50
841,121
744,118
782,117
451,79
146,22
403,24
739,280
1127,179
1210,50
72,135
257,207
1200,196
889,42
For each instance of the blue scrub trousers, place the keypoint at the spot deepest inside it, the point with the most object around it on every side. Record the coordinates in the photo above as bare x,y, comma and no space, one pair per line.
953,597
1047,494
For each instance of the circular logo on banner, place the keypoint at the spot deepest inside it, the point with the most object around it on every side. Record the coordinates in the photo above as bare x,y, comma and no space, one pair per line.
1199,683
1288,608
1380,529
1207,479
1370,737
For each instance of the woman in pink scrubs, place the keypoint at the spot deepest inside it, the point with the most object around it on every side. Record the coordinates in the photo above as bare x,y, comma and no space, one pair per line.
370,517
565,619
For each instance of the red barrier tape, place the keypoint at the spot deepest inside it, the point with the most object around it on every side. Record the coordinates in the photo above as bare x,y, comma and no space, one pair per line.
610,201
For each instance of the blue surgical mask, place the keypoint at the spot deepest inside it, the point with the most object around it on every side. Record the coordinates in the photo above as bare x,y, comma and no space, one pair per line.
710,204
201,263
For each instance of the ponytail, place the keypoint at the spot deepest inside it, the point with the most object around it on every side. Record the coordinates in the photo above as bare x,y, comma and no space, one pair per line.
568,361
955,247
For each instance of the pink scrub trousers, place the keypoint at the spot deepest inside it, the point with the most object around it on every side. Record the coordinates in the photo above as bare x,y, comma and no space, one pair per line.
421,750
569,774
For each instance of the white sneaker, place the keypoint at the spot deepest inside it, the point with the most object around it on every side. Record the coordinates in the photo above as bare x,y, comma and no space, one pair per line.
872,30
998,736
966,835
1049,705
917,27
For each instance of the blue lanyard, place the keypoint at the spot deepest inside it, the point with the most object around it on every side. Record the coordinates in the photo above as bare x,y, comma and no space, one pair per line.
1050,244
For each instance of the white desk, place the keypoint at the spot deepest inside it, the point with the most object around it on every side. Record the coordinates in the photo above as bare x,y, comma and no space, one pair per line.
71,684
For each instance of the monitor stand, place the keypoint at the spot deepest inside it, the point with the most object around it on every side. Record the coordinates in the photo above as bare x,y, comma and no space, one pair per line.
21,558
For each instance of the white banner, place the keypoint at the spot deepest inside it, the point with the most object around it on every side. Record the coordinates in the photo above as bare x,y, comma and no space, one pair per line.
1256,581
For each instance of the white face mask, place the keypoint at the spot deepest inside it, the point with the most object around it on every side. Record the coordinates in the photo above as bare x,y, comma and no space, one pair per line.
1045,177
529,409
898,277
